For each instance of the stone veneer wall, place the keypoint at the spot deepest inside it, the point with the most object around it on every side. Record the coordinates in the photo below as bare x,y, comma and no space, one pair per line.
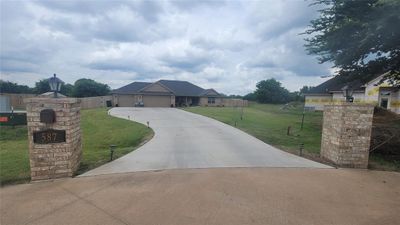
55,160
346,134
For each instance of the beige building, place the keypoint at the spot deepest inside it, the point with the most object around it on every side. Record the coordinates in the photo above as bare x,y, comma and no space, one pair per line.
371,91
165,93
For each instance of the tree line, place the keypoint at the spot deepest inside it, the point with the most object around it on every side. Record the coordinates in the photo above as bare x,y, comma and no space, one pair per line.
271,91
81,88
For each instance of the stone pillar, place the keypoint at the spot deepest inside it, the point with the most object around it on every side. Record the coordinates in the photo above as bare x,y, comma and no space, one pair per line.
346,134
55,146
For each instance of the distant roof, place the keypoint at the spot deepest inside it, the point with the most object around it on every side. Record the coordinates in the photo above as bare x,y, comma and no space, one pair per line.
179,88
131,88
210,92
337,83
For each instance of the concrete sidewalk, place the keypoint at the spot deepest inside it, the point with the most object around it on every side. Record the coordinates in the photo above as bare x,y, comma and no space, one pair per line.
210,196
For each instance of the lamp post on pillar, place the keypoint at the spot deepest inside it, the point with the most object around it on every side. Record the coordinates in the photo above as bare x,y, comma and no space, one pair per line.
54,135
55,84
348,93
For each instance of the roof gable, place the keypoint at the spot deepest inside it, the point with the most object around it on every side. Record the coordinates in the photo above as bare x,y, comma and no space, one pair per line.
155,88
376,80
210,92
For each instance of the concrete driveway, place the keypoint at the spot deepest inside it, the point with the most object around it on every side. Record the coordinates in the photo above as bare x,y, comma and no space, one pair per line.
186,140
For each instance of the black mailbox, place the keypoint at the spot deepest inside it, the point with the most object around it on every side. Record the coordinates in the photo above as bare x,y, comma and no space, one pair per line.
108,103
47,116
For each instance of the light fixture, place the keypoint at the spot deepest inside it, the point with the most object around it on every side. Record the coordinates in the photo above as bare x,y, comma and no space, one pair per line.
55,85
348,93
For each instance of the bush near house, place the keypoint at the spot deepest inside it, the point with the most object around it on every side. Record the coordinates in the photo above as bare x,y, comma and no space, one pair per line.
99,130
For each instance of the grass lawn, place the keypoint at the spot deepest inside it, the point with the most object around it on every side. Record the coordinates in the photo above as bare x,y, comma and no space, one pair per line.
269,123
99,130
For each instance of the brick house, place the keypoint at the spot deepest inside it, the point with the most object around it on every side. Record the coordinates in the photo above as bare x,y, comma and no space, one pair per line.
165,93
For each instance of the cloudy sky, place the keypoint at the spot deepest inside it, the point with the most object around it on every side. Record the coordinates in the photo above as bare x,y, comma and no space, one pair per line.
226,45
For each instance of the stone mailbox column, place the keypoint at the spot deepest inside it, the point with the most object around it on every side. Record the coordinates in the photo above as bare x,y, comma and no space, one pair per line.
346,134
54,135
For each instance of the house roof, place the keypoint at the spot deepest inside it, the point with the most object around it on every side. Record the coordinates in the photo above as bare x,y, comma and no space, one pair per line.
337,83
131,88
179,88
182,88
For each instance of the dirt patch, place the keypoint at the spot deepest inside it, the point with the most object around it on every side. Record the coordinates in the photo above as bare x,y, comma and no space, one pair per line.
385,140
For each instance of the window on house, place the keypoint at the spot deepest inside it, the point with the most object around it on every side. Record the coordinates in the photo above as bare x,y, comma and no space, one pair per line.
211,100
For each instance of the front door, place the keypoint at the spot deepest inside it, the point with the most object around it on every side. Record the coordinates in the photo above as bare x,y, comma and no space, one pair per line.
384,99
384,103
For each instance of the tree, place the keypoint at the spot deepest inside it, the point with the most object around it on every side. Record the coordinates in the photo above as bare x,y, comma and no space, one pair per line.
88,88
9,87
250,97
360,37
67,89
305,89
271,91
235,96
42,86
300,94
296,96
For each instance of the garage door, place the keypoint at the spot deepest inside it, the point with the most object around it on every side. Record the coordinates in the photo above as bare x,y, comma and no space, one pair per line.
156,101
126,100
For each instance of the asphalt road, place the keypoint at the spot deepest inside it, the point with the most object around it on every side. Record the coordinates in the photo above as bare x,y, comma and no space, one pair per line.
186,140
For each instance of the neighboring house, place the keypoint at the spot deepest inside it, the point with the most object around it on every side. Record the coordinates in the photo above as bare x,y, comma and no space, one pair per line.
165,93
370,91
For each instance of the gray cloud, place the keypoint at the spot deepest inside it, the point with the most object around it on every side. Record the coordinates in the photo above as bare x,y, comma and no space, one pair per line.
149,10
287,52
212,44
137,69
9,65
108,27
192,5
190,61
114,66
225,45
271,20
